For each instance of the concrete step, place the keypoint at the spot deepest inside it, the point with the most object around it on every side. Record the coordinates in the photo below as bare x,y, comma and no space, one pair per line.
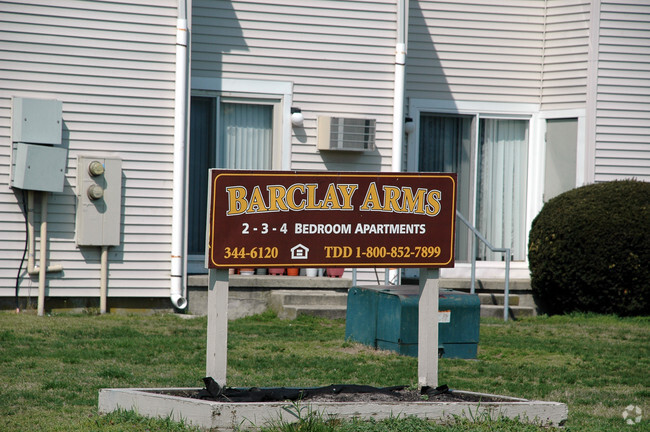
498,299
486,285
289,304
322,311
515,312
521,294
310,297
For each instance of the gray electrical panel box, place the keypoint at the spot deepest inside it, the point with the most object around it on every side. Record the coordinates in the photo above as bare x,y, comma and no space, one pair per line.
99,200
38,160
36,121
38,167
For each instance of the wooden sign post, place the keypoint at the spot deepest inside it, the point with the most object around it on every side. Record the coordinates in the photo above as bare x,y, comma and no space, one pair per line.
326,219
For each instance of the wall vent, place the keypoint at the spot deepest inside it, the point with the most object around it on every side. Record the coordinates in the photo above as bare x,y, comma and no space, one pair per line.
346,134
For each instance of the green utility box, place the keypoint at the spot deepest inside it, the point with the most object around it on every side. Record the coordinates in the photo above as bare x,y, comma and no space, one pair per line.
386,317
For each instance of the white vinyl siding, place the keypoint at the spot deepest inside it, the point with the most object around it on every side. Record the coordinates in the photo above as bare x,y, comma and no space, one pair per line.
112,66
623,99
478,51
339,55
565,55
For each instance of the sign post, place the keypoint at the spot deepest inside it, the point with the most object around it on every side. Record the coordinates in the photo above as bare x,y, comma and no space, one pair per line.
428,328
328,219
217,345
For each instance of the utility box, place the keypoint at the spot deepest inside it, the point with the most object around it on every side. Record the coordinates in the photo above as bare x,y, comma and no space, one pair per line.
36,121
38,161
99,201
387,317
38,167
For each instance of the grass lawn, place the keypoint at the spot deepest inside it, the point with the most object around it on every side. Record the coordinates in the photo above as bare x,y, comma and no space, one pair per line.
51,368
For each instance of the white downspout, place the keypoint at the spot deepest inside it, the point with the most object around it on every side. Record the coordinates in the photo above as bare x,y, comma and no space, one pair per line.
180,133
398,98
398,107
392,275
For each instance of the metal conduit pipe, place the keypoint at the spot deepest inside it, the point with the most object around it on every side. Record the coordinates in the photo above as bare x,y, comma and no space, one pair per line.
103,280
32,268
42,274
42,269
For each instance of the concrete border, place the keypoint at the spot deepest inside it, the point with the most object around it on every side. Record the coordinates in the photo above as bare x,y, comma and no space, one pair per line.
224,416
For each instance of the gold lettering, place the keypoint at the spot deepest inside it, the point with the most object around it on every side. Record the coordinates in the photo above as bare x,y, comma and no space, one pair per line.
331,200
277,198
256,203
291,197
413,204
311,198
433,202
237,203
391,195
347,190
371,201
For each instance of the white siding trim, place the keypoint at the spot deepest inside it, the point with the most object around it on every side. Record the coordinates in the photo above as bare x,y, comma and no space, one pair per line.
592,93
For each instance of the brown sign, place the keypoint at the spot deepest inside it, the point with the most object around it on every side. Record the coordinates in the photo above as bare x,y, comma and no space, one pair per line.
328,219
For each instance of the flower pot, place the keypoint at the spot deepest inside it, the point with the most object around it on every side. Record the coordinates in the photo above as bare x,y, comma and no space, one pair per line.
311,272
335,272
293,271
247,271
276,271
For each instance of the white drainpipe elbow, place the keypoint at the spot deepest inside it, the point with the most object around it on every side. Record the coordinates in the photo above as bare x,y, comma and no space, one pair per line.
176,293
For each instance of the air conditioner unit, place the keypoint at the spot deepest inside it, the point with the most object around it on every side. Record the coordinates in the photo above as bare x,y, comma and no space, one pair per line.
346,134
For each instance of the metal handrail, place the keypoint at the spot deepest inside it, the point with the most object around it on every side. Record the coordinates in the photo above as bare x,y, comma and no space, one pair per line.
477,234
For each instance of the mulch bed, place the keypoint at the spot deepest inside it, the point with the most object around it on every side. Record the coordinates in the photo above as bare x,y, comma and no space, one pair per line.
333,393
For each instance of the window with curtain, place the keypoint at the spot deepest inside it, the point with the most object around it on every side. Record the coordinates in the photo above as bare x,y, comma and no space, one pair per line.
501,186
246,136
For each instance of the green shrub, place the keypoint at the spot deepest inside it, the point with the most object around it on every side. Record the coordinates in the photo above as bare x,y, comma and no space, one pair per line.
589,250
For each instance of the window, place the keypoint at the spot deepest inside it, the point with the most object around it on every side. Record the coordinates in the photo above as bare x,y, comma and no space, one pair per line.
561,156
246,136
